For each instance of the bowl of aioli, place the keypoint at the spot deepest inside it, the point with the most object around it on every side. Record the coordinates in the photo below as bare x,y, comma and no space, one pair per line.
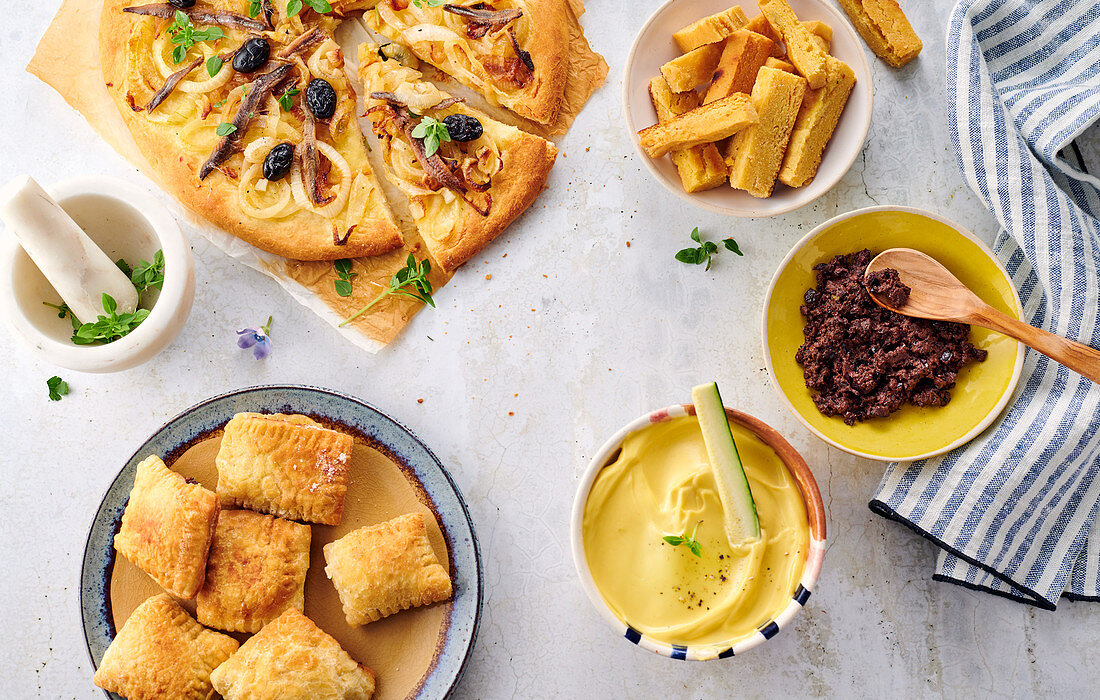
653,479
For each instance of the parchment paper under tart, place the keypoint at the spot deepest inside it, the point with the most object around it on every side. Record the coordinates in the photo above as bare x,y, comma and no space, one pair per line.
67,59
400,649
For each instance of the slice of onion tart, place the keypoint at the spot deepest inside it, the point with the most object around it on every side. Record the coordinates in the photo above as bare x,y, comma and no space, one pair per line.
466,176
514,52
249,121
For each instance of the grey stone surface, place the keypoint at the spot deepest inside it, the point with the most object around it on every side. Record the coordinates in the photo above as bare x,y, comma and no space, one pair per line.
575,334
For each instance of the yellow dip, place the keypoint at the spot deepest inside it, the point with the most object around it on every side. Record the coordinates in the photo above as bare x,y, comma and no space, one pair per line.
661,484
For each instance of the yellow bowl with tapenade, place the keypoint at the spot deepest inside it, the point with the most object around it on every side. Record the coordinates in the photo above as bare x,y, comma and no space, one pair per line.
652,482
982,389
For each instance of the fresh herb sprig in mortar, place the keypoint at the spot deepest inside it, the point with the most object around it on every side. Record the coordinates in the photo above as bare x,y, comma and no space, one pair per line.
343,271
410,281
433,132
184,35
114,325
688,540
111,326
63,311
705,251
146,274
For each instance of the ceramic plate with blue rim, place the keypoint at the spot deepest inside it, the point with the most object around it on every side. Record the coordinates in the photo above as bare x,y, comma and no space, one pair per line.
416,653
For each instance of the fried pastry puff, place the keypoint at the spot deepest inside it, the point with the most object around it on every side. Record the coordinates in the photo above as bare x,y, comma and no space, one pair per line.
162,654
285,465
256,570
167,527
383,569
291,658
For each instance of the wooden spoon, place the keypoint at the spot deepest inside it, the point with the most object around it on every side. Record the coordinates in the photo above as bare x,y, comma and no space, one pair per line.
938,295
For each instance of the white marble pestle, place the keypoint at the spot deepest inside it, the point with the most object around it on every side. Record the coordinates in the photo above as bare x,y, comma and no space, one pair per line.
76,267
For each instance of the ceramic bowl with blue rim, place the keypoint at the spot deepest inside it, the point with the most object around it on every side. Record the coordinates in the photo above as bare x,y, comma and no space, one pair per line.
815,552
387,459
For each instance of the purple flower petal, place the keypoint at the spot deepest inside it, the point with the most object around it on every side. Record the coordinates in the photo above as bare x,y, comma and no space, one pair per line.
262,348
255,339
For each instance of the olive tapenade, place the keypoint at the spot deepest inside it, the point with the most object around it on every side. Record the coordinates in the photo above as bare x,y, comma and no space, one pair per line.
864,361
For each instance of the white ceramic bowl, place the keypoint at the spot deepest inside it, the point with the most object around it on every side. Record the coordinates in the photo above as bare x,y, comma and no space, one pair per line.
654,47
126,222
815,516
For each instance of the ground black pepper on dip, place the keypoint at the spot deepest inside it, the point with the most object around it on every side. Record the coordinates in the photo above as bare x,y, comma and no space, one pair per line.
865,361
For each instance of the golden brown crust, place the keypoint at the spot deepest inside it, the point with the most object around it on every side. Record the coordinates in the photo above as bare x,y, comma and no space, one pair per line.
455,231
549,51
383,569
710,29
694,68
256,570
744,54
161,653
301,235
291,658
546,39
288,468
802,48
760,25
167,527
527,163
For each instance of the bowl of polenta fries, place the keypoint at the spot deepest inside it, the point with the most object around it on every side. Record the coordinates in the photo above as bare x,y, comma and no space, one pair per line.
749,110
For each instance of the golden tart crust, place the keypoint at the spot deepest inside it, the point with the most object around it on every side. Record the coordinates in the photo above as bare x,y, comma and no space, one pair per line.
516,165
288,466
161,653
292,658
383,569
256,570
167,527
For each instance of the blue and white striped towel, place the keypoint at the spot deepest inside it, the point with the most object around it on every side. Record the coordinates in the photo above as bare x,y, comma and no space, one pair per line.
1013,510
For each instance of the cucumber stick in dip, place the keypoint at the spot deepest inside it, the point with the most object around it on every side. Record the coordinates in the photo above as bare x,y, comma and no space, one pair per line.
741,521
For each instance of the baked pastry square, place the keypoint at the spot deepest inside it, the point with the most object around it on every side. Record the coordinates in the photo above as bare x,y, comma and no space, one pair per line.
161,652
383,569
256,570
286,465
167,526
293,658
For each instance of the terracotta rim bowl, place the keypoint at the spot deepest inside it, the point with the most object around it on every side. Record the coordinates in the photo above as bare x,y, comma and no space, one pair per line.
815,515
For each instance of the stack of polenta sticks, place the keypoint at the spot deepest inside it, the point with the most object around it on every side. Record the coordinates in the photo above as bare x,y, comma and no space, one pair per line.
751,101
